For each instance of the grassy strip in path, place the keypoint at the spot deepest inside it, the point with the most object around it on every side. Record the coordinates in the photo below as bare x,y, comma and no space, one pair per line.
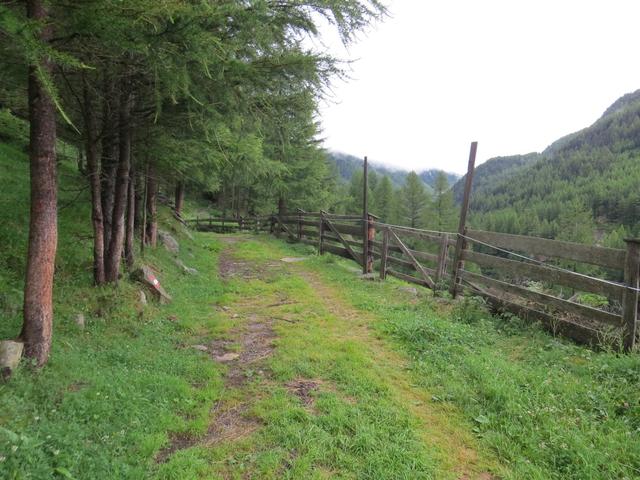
548,408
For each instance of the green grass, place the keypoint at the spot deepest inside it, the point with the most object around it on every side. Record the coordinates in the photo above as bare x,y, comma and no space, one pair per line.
104,404
408,387
546,407
359,426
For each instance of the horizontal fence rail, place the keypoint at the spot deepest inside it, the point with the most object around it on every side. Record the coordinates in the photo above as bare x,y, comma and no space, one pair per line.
532,277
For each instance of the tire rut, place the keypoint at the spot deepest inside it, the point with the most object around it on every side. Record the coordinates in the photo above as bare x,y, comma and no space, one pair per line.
244,355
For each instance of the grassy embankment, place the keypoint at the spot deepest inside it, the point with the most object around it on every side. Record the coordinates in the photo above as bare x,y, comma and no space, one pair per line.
111,391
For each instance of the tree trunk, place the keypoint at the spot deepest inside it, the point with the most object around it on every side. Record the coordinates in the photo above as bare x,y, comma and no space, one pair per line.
93,173
131,215
43,229
139,193
152,207
116,243
179,200
109,157
282,207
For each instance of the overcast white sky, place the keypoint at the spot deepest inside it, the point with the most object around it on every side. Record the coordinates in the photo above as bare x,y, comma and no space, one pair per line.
513,75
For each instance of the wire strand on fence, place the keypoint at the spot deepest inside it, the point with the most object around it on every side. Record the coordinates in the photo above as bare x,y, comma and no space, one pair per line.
547,265
411,229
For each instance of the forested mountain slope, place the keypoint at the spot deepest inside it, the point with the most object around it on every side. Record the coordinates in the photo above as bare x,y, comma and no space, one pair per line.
347,165
493,171
583,187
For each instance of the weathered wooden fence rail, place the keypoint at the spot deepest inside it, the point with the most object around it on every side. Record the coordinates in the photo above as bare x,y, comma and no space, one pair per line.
521,274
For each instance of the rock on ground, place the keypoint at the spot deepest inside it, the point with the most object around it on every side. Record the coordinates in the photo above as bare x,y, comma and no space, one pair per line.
411,290
185,269
145,275
170,243
10,354
80,320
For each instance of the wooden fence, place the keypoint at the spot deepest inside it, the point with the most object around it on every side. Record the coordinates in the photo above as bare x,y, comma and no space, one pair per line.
534,278
528,276
229,224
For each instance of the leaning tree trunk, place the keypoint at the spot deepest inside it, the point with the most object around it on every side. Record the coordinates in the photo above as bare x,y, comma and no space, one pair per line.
43,229
129,253
93,173
179,200
116,244
152,206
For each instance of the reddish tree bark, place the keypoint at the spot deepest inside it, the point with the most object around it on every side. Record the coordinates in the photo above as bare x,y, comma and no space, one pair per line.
179,200
129,253
116,243
152,206
43,229
93,174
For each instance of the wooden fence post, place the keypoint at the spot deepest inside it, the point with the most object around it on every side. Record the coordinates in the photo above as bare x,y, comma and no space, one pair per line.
299,224
365,219
320,233
443,254
272,227
371,236
630,296
384,253
461,243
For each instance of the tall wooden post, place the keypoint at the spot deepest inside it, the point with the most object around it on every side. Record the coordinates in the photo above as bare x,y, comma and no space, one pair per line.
384,253
461,243
371,236
630,296
365,219
299,224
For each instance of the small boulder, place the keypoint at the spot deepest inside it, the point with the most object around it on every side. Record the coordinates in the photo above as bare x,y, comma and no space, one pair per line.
292,259
185,269
145,275
201,348
411,290
80,320
142,298
227,357
10,354
168,241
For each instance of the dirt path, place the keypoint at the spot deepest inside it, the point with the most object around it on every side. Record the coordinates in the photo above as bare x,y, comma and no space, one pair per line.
246,352
247,349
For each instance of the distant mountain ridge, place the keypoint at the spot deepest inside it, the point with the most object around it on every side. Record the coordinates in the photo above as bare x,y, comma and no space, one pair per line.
594,171
347,164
